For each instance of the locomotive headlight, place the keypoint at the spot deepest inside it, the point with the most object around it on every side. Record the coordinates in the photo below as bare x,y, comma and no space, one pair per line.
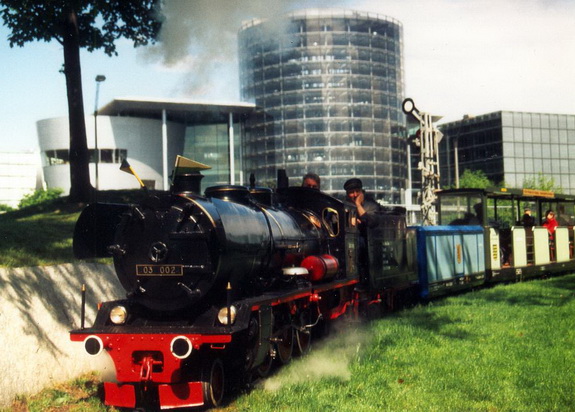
93,345
181,347
118,315
223,315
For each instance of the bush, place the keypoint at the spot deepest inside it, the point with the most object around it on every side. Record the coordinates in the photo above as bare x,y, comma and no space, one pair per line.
5,208
39,197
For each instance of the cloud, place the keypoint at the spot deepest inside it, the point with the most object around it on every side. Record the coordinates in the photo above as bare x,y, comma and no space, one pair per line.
485,55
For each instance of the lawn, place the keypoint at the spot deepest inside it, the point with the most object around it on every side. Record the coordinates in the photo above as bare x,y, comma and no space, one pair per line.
42,234
508,348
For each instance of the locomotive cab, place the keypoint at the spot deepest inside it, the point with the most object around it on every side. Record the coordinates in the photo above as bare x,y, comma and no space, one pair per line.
388,259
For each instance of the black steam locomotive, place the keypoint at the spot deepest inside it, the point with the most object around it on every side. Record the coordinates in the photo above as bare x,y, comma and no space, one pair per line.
226,284
223,284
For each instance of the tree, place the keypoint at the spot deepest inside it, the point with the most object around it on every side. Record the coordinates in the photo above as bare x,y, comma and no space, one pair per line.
541,182
474,179
92,24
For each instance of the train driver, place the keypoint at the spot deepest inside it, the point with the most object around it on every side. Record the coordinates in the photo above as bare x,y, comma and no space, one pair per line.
365,207
366,212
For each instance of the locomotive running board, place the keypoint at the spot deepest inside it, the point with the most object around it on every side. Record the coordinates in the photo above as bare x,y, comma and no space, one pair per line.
274,299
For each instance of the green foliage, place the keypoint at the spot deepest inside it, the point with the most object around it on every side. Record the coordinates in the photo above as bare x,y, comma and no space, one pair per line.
541,182
5,208
40,196
474,179
100,24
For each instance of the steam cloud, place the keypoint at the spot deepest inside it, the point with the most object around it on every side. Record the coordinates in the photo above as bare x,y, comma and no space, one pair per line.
199,38
331,360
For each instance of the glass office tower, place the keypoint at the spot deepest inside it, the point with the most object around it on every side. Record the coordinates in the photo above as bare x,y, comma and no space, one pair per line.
511,147
330,83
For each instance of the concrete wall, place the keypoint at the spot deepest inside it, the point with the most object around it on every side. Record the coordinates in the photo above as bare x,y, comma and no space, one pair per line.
39,306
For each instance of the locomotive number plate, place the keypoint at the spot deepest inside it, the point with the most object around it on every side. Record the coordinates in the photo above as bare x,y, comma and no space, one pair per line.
160,270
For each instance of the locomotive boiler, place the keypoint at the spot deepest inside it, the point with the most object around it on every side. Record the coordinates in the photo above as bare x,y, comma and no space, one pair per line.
172,252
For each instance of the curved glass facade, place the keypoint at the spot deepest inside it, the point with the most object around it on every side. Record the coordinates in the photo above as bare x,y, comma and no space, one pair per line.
330,83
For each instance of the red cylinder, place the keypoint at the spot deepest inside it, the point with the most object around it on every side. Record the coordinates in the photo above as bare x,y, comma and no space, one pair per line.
320,267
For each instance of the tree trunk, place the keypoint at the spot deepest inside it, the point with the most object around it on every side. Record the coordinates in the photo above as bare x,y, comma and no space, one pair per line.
81,189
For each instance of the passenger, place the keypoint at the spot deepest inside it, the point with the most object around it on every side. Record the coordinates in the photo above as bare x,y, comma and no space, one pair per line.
470,218
477,219
311,180
550,223
527,220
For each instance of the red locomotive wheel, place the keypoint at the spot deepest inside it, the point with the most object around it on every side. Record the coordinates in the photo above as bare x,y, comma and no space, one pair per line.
213,379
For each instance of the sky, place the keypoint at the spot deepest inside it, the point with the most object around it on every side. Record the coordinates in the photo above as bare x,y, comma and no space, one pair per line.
461,57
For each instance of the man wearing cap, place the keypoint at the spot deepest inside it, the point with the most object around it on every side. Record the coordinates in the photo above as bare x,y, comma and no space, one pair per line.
365,207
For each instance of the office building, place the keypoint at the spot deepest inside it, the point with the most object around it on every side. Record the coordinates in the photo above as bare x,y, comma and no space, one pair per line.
330,83
511,147
20,175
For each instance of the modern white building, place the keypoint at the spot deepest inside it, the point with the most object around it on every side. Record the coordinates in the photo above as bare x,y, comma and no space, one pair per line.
20,175
149,133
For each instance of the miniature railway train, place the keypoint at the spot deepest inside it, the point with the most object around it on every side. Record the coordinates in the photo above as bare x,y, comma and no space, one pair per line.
229,283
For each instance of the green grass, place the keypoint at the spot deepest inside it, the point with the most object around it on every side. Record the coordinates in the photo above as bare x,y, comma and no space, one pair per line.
509,348
42,234
37,239
81,394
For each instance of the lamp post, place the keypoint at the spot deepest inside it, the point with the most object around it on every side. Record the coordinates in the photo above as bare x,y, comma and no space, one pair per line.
99,79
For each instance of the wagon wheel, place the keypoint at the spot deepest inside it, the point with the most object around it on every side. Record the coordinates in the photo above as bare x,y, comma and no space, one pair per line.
284,344
213,379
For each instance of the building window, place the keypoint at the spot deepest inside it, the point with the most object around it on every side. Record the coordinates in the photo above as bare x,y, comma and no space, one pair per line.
57,157
62,156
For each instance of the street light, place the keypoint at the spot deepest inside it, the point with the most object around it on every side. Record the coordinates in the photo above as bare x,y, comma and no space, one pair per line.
99,79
